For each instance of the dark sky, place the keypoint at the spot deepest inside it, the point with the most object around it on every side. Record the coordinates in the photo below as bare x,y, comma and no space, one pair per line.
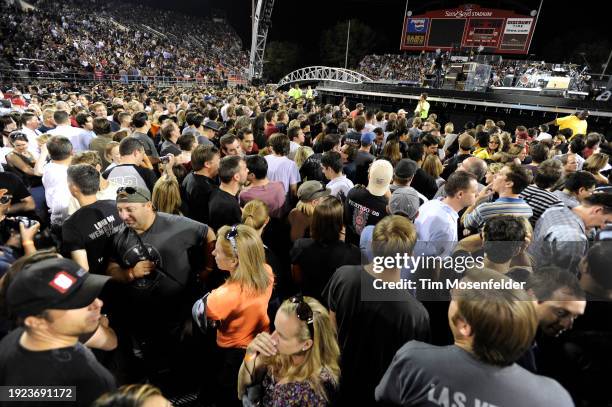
561,26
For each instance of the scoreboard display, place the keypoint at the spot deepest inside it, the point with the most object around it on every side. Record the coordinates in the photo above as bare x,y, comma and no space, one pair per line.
466,27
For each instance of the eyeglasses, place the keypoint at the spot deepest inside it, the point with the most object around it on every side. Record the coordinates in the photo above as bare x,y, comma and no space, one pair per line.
304,312
493,142
231,236
130,191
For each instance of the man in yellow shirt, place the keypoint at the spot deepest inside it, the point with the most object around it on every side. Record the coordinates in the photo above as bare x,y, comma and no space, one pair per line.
422,109
575,122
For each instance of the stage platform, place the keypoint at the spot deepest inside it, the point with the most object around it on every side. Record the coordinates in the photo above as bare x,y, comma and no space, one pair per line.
523,99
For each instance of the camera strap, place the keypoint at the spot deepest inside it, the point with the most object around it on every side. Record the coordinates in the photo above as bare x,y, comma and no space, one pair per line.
150,258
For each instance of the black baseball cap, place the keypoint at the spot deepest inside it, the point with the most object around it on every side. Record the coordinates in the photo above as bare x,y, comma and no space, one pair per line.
56,283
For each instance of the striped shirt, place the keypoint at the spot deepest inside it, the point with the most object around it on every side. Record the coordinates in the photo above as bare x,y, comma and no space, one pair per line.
559,238
502,206
540,200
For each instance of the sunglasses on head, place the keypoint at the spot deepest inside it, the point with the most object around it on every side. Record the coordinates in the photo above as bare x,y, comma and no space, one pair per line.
231,236
304,312
130,191
18,136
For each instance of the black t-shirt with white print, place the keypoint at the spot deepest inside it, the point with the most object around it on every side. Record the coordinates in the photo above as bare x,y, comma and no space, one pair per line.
362,209
92,228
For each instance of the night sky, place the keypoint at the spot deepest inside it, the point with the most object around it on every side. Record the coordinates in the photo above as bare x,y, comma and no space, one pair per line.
561,28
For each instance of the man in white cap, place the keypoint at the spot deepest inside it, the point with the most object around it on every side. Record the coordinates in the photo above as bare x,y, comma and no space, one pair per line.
404,202
367,206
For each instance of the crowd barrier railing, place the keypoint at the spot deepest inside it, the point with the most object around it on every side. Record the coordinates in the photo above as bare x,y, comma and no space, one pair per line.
24,75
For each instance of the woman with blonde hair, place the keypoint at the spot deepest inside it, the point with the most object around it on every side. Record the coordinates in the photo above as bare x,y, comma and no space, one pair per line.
517,152
111,154
495,144
391,152
167,195
492,170
301,155
300,217
489,124
594,164
506,141
240,304
299,361
255,214
133,395
559,146
433,166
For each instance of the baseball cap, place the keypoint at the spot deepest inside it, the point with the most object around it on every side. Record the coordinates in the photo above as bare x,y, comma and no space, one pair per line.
310,190
367,138
381,172
55,283
133,195
404,201
401,111
405,168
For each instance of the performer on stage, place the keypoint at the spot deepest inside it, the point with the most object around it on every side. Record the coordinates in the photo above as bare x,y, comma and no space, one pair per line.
422,109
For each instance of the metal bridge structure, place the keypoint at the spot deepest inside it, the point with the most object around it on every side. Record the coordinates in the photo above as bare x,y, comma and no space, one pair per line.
323,73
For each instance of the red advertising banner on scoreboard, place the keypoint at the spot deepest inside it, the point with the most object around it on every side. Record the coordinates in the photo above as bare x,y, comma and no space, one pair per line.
466,27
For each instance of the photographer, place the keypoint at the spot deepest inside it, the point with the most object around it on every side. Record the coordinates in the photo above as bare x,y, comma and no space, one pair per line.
21,201
15,234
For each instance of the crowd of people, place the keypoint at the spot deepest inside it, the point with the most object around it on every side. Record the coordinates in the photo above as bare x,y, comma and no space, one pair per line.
395,67
416,68
228,242
118,40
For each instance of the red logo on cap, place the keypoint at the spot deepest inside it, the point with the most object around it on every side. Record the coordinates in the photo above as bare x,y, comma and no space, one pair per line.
62,281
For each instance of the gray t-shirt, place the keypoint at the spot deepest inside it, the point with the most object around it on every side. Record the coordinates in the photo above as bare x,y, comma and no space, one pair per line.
129,175
423,375
149,146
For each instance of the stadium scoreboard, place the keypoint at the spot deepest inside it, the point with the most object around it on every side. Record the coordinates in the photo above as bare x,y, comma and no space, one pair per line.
468,27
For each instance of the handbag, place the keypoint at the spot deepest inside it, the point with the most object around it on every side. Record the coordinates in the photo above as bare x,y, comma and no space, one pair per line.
253,395
198,312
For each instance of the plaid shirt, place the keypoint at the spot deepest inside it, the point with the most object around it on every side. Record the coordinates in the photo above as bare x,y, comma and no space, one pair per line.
559,238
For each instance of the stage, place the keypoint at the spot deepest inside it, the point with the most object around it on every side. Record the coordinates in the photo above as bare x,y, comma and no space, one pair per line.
516,106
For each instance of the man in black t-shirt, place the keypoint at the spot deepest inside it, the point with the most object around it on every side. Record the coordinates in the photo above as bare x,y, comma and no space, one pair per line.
363,158
158,261
130,173
199,184
57,302
465,151
224,208
367,206
88,233
373,324
170,133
